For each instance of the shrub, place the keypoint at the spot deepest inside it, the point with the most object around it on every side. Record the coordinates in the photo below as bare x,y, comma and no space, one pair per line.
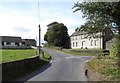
115,50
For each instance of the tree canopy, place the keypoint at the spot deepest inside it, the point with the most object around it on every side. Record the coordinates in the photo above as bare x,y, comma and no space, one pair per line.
57,35
99,15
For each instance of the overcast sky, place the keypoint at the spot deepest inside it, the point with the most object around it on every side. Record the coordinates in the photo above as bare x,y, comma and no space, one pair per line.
21,17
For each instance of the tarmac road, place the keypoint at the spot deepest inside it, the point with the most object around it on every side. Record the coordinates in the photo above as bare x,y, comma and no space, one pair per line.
64,67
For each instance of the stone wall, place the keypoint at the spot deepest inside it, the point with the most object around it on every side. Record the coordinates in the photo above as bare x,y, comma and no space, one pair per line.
13,70
15,47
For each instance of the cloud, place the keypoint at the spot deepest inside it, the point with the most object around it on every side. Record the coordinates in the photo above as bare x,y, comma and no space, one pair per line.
14,20
41,0
22,29
23,20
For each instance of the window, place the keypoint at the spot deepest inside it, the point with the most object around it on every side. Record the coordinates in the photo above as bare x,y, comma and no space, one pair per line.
8,43
82,36
83,43
96,42
76,44
2,43
23,43
17,43
73,44
91,42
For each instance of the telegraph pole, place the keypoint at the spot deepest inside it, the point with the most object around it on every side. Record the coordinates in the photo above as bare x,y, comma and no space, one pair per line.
39,39
39,29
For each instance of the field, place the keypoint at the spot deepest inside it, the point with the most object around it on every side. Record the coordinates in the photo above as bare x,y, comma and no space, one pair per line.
15,55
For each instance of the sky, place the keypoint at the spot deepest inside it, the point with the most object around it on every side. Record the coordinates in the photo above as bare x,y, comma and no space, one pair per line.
22,17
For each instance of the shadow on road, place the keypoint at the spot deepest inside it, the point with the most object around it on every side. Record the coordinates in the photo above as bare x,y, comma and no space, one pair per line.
38,71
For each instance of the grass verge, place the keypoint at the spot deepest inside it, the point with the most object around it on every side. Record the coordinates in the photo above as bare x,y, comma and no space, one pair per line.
106,66
75,53
46,56
78,52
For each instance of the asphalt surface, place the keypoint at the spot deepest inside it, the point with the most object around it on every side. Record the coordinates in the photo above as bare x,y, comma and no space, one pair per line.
63,67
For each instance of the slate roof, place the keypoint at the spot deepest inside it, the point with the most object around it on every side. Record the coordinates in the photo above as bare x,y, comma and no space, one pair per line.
29,42
76,33
10,39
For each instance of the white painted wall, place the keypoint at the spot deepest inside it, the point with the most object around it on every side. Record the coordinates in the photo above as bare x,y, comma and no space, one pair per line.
87,42
12,44
5,44
0,43
20,44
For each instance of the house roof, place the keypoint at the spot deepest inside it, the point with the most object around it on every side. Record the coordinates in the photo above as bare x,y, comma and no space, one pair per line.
28,40
112,40
10,39
78,33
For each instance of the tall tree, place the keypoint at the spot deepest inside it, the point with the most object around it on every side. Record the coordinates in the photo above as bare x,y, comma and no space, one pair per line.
57,35
100,16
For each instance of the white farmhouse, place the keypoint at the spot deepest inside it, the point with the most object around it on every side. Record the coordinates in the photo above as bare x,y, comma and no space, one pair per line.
79,39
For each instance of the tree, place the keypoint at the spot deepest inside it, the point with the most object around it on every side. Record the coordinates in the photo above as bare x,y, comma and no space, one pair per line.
57,35
101,16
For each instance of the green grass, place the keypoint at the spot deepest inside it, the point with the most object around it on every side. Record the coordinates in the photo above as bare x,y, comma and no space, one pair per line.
46,56
106,66
0,56
95,49
70,51
15,55
78,53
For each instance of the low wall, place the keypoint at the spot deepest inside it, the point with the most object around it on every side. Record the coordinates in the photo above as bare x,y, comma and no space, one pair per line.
88,51
15,47
13,70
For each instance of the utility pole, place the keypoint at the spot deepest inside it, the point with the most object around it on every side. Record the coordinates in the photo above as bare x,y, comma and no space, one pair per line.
39,29
39,39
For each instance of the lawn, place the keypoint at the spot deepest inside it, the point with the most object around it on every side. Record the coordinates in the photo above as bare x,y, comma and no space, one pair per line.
78,53
83,52
15,55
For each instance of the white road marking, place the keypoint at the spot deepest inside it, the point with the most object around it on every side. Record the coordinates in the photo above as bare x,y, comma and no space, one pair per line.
71,57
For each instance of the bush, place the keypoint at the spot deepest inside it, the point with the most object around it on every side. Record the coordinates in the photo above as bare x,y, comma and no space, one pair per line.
115,53
115,50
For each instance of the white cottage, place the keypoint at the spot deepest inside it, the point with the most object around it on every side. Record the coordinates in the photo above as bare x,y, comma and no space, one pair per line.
79,39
